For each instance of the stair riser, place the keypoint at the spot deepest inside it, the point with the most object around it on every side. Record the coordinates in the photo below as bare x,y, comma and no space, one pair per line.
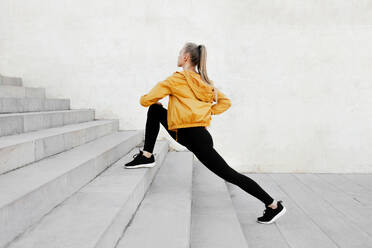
35,150
26,211
26,123
21,105
15,81
21,92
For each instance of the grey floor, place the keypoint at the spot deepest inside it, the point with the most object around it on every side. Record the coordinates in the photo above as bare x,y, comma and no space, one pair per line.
323,210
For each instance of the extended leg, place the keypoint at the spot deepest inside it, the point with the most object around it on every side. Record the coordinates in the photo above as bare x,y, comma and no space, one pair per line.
214,162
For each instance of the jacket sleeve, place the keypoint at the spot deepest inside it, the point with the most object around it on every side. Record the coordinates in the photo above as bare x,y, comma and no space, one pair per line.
223,103
159,91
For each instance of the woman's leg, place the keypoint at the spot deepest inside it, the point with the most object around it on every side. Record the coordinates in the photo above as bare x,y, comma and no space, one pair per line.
200,142
156,114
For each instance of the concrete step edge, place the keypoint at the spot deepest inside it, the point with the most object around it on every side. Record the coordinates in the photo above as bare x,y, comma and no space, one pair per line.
46,112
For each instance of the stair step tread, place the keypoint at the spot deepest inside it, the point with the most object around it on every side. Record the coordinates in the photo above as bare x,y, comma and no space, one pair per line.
44,112
32,98
18,87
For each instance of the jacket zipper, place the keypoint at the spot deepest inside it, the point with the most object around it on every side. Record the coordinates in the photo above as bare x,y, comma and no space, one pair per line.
176,135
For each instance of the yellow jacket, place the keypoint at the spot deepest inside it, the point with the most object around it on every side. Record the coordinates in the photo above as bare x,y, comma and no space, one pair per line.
190,100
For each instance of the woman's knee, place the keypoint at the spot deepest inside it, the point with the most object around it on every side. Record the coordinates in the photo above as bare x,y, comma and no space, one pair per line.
153,110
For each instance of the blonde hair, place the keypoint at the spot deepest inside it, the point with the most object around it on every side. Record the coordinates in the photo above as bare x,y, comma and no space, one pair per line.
198,55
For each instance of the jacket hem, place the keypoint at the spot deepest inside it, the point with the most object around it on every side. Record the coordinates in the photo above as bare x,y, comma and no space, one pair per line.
174,128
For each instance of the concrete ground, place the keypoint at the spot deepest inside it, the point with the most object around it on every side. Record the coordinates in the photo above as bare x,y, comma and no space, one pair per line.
323,210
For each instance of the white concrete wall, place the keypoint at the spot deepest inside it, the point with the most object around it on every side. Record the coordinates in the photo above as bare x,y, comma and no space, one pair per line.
298,72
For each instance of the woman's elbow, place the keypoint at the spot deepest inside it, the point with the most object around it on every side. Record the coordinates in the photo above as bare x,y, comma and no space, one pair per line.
142,102
228,103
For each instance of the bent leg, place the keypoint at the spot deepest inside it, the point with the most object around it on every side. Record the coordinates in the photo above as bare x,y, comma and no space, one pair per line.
214,162
156,114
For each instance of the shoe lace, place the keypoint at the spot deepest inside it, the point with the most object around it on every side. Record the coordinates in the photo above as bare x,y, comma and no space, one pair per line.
139,152
266,211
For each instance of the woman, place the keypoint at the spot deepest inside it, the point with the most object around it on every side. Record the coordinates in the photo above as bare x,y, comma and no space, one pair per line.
191,94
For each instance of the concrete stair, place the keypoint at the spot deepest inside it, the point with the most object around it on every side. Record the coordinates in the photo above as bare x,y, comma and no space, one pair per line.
47,156
177,203
14,81
163,218
40,144
17,123
19,105
96,215
63,184
214,219
7,91
26,194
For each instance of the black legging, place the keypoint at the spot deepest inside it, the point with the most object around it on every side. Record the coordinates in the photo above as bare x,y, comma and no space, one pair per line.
199,141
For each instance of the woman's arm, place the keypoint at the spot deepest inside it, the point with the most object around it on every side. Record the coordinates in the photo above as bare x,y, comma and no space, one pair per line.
223,103
159,91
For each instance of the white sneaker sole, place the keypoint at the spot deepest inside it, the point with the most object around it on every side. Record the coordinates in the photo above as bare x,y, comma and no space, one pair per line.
140,166
281,213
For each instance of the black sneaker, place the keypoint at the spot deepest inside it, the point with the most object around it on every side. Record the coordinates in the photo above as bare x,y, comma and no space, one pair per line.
270,215
141,160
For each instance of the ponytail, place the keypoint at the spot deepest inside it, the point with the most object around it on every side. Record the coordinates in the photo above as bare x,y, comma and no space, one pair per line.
202,68
198,55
